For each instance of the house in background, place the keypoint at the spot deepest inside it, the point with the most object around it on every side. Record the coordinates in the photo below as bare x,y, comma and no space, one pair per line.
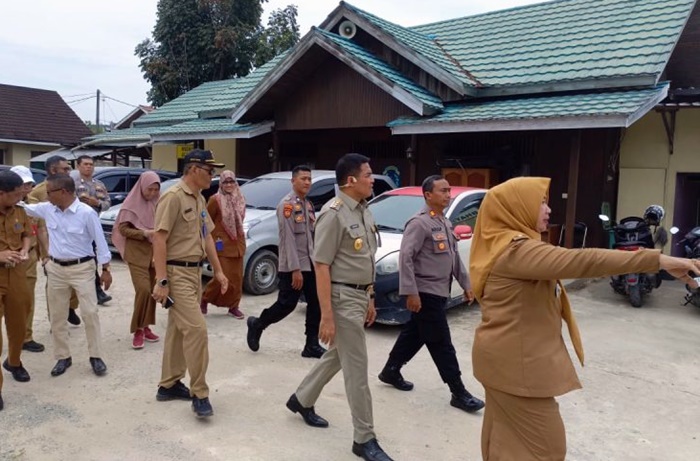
550,89
35,121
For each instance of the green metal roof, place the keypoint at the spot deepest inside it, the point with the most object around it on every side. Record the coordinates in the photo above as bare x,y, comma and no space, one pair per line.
202,126
418,41
565,40
126,135
426,97
220,95
621,104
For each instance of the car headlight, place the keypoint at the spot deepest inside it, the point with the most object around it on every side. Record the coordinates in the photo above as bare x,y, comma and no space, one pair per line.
389,264
247,225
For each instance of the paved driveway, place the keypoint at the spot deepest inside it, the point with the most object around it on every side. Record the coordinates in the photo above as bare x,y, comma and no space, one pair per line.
640,399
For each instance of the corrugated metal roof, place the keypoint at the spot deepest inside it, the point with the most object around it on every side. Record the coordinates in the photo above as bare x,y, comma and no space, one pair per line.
564,40
610,103
129,134
426,97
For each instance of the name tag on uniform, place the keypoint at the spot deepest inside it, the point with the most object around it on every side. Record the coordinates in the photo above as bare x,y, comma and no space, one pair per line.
354,226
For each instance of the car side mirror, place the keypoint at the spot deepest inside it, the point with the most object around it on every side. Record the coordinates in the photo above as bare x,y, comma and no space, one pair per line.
464,232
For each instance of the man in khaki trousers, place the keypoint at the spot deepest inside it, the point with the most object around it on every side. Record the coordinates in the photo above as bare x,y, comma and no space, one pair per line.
345,243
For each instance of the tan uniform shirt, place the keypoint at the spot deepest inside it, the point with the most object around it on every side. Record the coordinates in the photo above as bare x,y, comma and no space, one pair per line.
14,226
346,240
183,214
518,347
429,258
296,220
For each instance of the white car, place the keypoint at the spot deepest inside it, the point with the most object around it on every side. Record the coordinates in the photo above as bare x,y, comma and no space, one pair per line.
391,210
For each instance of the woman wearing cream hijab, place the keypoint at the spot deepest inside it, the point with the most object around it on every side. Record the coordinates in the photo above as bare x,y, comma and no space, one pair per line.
519,354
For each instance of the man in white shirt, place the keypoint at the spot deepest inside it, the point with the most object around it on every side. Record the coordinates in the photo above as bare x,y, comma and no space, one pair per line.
72,227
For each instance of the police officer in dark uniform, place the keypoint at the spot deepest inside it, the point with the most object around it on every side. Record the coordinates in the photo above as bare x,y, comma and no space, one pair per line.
296,218
428,260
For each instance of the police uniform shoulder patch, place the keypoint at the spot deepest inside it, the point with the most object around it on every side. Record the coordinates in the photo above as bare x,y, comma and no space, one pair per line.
287,210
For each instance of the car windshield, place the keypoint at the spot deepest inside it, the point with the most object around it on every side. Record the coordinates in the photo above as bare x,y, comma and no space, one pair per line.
391,212
265,193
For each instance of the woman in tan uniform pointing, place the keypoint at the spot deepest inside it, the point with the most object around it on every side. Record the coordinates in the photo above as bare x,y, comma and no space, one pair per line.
519,354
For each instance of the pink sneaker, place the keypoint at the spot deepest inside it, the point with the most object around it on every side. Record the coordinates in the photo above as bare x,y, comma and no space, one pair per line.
236,312
203,307
150,336
138,340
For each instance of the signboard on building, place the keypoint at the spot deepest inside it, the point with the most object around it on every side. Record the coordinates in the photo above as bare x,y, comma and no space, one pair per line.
183,149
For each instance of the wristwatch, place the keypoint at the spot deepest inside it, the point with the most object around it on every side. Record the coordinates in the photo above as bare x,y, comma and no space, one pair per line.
163,283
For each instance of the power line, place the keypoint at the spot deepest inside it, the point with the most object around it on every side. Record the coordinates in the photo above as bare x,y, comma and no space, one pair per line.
76,95
121,102
80,100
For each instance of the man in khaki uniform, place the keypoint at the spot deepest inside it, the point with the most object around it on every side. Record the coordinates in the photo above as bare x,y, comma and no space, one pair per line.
14,293
54,165
345,244
428,260
296,219
38,230
181,241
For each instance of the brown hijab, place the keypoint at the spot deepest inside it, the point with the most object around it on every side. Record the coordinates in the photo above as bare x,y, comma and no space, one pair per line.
510,210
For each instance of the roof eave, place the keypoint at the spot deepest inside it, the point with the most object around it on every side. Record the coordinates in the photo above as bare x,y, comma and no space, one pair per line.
315,38
640,81
407,52
257,130
35,143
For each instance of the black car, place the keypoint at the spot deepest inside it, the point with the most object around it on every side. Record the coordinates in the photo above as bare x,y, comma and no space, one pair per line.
120,179
108,217
39,175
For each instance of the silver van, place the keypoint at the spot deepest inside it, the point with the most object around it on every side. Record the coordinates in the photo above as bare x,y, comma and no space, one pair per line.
262,194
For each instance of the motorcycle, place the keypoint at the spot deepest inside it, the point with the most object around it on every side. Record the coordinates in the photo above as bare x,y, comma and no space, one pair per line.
632,234
691,245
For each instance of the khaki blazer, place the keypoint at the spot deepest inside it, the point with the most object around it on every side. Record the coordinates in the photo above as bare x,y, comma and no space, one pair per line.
518,347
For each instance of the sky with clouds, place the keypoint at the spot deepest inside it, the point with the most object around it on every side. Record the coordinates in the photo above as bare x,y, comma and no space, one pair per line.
77,46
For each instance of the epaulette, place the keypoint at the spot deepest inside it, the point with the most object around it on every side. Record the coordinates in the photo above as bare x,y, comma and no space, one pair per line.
337,203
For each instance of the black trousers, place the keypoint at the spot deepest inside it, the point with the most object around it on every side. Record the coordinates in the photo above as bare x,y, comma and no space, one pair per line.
428,327
287,300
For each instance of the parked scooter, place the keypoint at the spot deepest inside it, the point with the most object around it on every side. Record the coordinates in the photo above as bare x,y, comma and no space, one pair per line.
691,245
632,234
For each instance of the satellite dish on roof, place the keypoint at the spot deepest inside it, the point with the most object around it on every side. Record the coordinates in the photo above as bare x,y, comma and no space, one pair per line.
347,29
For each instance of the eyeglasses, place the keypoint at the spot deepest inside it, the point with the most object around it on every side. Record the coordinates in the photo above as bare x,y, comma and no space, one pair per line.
210,171
228,181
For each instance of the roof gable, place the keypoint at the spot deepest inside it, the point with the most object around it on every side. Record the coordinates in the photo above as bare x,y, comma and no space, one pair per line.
36,115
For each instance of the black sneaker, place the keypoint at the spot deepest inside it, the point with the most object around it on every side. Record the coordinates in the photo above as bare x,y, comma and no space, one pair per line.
313,351
33,346
202,407
177,392
254,333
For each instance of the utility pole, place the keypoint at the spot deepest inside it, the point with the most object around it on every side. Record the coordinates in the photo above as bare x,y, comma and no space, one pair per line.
97,112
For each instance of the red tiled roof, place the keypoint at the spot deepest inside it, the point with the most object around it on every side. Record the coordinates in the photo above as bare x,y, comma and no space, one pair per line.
32,114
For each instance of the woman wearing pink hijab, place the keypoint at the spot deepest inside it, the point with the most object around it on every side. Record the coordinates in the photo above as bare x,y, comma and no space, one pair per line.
132,237
227,210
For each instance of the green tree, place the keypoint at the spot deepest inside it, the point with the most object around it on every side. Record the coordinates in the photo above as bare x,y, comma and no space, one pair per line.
197,41
282,33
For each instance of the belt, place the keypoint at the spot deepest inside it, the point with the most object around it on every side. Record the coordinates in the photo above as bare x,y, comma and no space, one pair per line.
172,262
71,262
355,286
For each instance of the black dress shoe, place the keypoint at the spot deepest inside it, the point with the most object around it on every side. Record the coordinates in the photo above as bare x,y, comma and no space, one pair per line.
254,333
392,375
103,297
202,407
309,415
177,392
466,402
370,451
98,366
19,373
61,366
73,318
33,346
313,351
